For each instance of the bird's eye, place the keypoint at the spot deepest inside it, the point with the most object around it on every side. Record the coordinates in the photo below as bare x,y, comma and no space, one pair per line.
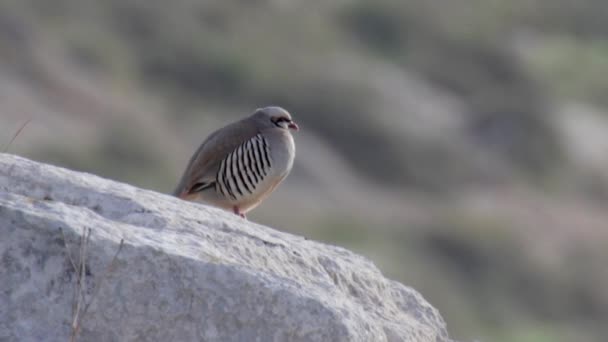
281,122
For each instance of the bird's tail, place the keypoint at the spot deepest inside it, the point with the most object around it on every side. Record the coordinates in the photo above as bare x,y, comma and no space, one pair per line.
178,192
186,196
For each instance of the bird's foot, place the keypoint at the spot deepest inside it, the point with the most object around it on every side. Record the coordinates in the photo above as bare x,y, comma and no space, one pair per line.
238,212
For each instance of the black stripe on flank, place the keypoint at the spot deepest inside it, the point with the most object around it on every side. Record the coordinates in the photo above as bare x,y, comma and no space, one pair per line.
257,162
227,174
247,165
266,152
239,173
243,169
259,156
235,172
252,163
220,179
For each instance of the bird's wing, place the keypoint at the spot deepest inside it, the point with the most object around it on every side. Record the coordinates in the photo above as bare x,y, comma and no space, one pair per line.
202,169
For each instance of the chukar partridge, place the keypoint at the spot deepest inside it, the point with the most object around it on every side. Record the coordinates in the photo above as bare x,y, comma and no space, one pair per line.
239,165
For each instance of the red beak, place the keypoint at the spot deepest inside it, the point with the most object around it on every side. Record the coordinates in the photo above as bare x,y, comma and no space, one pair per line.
294,126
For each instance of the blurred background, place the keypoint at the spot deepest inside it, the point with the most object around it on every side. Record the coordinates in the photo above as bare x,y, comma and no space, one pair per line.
462,145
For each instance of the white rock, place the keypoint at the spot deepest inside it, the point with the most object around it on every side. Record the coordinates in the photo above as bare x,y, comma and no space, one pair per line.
187,272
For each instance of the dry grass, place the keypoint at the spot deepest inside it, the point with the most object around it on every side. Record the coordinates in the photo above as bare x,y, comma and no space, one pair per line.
80,302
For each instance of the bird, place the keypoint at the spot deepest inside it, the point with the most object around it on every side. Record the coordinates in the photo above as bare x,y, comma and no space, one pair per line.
239,165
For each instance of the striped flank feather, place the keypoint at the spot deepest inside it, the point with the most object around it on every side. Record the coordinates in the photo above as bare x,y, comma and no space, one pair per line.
244,168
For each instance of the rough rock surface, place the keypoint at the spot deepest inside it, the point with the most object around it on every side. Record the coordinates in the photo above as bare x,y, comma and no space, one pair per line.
187,272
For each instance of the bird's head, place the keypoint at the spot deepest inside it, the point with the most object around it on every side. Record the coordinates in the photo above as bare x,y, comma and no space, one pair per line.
275,117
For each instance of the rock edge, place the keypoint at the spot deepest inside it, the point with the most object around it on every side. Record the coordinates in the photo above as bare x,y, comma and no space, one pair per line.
187,272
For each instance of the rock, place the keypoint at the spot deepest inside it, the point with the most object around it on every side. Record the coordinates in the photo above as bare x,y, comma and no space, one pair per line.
186,272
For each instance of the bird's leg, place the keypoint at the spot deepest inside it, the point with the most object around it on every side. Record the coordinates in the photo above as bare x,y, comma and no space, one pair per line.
238,212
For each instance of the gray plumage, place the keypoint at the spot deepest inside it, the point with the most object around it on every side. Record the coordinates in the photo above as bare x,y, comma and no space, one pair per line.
239,165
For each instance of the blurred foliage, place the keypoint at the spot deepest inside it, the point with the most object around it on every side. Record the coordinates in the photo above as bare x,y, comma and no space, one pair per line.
381,26
586,80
